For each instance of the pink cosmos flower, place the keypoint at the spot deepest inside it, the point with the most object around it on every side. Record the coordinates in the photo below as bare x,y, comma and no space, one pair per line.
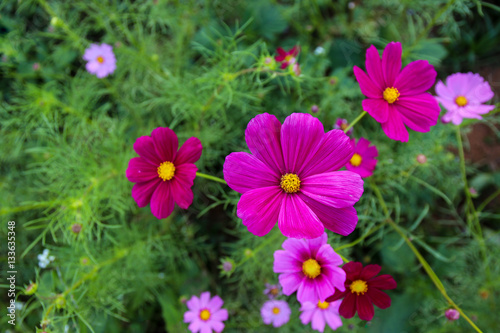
452,314
363,161
342,124
275,312
205,314
163,174
100,59
398,97
272,290
463,96
309,266
321,313
290,177
287,57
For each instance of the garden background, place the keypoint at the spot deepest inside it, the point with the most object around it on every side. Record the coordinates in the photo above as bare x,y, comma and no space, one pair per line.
196,66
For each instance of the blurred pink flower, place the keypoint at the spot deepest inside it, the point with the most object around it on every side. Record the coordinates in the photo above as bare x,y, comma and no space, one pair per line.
287,57
452,314
100,59
342,124
205,314
363,160
275,312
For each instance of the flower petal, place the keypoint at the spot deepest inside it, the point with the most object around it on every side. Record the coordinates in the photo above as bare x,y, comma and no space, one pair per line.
365,307
369,271
166,143
204,299
332,318
338,189
263,139
217,326
193,304
334,153
140,171
338,295
419,112
318,321
378,108
162,201
220,315
328,257
391,62
215,303
190,152
379,298
307,291
298,248
290,282
353,270
297,220
348,307
301,137
416,78
182,183
374,67
244,172
384,282
332,278
142,192
145,147
259,209
367,86
394,128
284,262
315,244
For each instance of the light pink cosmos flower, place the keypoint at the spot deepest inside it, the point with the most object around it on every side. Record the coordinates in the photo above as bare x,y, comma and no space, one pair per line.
272,290
275,312
100,59
363,161
163,174
205,314
321,313
290,177
463,96
309,266
398,97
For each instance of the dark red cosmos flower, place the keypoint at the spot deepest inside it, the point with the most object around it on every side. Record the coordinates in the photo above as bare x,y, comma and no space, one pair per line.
287,57
362,291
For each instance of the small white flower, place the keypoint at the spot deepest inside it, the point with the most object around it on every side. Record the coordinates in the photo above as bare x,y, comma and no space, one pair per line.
351,5
44,259
319,50
19,305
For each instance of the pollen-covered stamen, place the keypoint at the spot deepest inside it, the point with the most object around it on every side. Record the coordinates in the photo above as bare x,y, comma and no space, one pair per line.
461,101
323,305
100,59
204,314
391,95
290,183
356,160
359,287
311,268
166,171
274,291
290,59
276,310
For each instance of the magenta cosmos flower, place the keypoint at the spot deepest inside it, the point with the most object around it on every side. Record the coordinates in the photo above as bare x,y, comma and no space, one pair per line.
100,59
321,313
363,290
163,174
290,177
287,58
363,160
275,312
205,314
398,97
463,96
452,314
309,266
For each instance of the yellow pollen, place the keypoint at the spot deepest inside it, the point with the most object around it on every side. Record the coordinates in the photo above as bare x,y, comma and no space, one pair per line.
290,183
391,95
276,310
359,287
166,171
323,305
100,59
461,101
274,291
311,268
356,159
205,315
289,58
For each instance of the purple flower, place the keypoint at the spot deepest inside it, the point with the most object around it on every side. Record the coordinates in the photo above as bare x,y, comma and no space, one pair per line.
290,177
205,314
100,59
275,312
397,98
342,124
452,314
321,313
463,96
163,174
309,266
363,161
272,290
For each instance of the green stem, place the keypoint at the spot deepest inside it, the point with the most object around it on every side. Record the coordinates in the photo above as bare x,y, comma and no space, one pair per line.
355,121
488,200
215,179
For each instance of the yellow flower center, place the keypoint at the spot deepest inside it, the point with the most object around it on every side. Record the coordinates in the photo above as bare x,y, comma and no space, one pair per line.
166,171
311,268
290,183
356,159
100,59
461,101
323,305
359,287
276,310
289,58
391,94
205,315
